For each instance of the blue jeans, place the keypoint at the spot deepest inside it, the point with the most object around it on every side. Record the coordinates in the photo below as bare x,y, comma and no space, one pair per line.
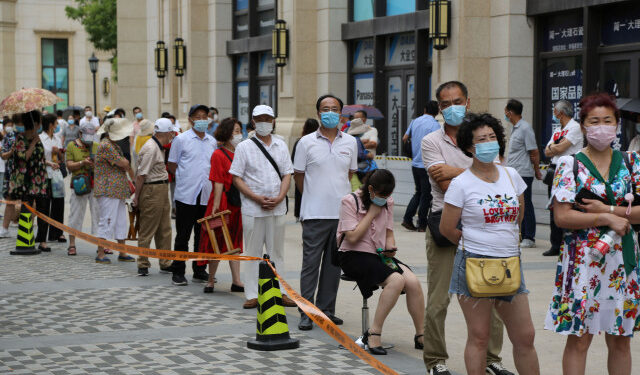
421,199
528,228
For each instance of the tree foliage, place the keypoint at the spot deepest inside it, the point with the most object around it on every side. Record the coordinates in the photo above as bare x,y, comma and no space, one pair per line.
99,20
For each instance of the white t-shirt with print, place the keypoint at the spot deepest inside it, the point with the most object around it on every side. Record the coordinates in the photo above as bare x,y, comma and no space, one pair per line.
489,212
573,133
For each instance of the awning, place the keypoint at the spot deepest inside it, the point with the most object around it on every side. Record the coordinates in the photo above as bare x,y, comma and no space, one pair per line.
630,105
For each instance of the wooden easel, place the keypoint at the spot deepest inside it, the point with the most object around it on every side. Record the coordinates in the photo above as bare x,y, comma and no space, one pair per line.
134,223
219,220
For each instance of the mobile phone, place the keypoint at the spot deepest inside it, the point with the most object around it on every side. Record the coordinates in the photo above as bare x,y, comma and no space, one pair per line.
588,194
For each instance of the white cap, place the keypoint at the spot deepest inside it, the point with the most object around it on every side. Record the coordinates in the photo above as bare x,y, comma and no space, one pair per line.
262,110
163,125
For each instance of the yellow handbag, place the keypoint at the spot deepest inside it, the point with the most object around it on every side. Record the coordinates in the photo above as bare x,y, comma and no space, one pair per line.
493,277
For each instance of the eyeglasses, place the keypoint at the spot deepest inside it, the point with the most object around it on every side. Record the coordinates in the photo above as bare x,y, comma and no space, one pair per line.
330,109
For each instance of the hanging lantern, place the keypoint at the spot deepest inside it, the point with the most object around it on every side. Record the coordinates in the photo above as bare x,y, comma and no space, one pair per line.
181,57
161,59
440,23
280,43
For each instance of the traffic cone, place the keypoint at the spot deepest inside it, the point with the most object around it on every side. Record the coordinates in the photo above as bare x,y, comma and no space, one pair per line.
25,242
273,331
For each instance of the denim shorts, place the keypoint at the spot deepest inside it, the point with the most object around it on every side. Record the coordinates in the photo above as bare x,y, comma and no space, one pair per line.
458,283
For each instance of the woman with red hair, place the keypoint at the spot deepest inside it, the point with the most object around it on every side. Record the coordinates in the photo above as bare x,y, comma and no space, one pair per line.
597,285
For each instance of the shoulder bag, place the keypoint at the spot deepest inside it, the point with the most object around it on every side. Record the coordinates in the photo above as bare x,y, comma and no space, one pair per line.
233,195
274,165
493,277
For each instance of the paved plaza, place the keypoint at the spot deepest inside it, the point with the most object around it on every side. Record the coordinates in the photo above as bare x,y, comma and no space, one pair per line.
67,315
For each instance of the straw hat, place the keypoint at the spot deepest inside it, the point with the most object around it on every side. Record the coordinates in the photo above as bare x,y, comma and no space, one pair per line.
117,128
358,127
146,127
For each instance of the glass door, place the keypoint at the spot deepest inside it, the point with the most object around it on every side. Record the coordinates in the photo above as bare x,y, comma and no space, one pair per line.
400,107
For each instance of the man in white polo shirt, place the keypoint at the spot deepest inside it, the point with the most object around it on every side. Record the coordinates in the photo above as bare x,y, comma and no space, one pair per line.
324,163
264,187
190,161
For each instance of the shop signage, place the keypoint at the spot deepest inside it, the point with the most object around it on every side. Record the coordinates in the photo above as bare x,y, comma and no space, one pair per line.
401,50
411,97
242,67
563,33
267,66
363,55
243,102
394,110
621,25
363,89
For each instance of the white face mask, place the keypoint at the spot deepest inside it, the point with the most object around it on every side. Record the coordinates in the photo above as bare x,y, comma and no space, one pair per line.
236,140
8,129
88,113
215,117
264,128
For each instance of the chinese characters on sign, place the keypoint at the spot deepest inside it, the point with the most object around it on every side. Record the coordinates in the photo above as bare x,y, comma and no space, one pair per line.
394,106
363,54
401,49
621,25
563,32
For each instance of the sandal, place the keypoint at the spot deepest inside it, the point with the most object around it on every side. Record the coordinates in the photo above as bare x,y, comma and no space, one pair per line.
71,250
108,251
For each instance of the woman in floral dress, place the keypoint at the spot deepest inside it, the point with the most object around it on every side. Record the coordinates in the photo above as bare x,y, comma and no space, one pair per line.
594,295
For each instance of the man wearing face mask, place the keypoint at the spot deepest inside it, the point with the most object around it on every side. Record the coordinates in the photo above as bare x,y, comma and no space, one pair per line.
190,161
261,170
213,121
324,164
91,119
444,160
568,140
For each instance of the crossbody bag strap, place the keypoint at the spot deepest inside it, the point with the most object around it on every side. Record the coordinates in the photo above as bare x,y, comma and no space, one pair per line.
273,164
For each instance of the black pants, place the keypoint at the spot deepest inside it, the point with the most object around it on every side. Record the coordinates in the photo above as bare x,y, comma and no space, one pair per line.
54,208
556,233
421,200
186,221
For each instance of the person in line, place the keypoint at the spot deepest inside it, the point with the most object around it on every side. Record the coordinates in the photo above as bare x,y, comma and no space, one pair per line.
90,118
263,185
524,157
324,164
167,150
421,200
634,145
364,228
111,187
369,137
213,121
228,135
80,159
152,196
63,124
48,204
596,292
444,160
145,134
365,157
310,126
70,132
7,146
190,161
469,198
568,140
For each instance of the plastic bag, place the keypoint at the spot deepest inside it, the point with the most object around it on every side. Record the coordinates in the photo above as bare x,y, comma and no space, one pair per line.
57,184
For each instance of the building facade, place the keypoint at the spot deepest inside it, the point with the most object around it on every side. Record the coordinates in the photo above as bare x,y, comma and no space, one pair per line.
41,47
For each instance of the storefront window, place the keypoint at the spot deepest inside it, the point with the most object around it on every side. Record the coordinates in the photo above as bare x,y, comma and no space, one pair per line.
617,78
242,4
400,7
55,70
563,32
363,88
363,54
243,101
401,50
621,25
363,10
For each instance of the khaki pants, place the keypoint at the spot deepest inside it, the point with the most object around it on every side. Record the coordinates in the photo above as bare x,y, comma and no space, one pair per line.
155,221
439,270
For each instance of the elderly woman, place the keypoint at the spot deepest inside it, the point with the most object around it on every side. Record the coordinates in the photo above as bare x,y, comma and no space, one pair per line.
366,254
111,187
597,285
488,200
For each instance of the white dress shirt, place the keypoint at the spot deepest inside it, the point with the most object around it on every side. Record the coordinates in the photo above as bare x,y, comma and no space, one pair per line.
48,143
192,154
326,169
94,120
250,164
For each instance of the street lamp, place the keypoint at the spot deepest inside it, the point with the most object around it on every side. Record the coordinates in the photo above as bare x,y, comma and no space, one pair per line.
280,43
93,66
181,57
439,23
161,59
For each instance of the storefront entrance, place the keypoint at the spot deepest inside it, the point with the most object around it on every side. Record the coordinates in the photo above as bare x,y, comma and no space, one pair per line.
400,107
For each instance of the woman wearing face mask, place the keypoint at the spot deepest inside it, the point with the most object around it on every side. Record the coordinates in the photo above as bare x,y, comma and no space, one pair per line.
488,200
7,151
70,132
225,197
367,251
597,286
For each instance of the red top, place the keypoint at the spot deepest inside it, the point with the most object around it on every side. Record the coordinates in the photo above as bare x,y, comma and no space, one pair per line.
219,172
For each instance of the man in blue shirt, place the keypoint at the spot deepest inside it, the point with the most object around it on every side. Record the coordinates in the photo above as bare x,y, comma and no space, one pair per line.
421,200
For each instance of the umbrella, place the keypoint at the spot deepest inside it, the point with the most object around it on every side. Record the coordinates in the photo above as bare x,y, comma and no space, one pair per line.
372,112
27,100
69,110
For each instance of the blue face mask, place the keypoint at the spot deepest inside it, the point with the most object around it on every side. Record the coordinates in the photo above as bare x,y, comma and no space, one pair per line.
200,125
487,152
453,115
330,119
57,129
19,128
139,115
40,129
71,122
506,118
378,201
554,118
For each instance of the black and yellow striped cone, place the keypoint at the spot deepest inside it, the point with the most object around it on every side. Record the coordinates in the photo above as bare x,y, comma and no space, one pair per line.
25,241
273,331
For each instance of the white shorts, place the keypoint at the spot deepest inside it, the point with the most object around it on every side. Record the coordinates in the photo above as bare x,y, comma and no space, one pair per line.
114,219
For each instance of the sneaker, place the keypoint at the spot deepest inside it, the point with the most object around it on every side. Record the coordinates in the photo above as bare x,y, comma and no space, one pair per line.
179,280
127,258
103,260
551,253
4,233
143,271
496,368
527,244
166,269
439,369
200,277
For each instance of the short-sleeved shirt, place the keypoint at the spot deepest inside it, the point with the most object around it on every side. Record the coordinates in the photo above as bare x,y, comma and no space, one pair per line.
376,235
417,130
151,162
326,169
49,143
96,124
251,165
489,212
110,180
70,133
523,140
77,153
438,148
573,133
29,177
220,165
192,154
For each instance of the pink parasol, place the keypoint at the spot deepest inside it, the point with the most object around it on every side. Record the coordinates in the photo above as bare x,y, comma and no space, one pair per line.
27,100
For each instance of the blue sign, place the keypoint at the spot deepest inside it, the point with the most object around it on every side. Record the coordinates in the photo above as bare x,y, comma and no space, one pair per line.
621,25
563,32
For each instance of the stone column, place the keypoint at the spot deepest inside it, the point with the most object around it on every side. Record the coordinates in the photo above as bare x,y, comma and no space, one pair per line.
220,66
8,47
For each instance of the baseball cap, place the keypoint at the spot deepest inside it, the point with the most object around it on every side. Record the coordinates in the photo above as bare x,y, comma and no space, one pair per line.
163,125
262,110
87,128
196,107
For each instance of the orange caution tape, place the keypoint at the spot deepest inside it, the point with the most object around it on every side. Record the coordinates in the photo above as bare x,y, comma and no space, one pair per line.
307,307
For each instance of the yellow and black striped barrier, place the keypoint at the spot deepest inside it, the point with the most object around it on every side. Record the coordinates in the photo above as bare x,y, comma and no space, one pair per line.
394,158
25,241
272,328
